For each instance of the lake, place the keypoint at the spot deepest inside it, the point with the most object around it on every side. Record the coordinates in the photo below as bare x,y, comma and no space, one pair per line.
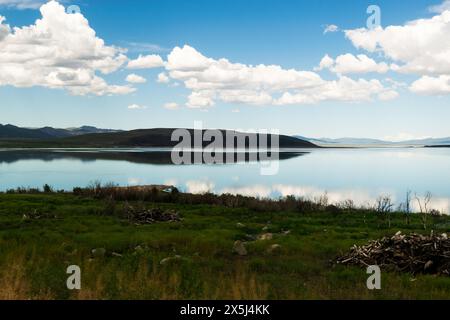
361,175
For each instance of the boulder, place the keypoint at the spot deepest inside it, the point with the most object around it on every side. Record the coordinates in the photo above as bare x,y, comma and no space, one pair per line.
273,249
265,236
239,248
98,252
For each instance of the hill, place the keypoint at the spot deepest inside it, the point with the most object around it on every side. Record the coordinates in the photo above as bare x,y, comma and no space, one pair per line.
376,142
138,138
13,132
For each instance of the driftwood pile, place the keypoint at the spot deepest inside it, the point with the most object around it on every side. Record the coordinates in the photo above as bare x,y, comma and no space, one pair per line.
36,215
413,253
141,216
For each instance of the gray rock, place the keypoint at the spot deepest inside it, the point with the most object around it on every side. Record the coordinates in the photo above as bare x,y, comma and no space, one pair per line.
265,236
98,252
170,259
239,248
273,249
139,249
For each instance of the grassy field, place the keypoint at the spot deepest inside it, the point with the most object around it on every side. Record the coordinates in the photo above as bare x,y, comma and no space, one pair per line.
34,253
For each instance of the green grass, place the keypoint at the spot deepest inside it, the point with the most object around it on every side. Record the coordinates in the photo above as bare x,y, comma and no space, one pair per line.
34,254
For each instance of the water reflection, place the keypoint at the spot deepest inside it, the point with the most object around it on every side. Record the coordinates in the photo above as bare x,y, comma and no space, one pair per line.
135,156
360,175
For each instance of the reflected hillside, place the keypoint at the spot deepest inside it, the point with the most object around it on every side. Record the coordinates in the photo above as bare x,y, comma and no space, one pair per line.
138,156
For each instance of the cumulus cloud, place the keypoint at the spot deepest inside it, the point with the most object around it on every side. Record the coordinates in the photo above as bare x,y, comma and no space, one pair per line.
258,191
59,51
4,28
171,106
330,28
146,62
420,46
163,78
343,89
199,187
440,7
428,85
388,95
22,4
211,80
134,78
136,107
326,63
348,63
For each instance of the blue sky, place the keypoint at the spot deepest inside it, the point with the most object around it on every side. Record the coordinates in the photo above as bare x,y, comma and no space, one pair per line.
288,34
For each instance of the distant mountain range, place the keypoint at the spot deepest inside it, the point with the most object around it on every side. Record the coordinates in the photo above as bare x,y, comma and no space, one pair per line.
376,142
88,136
13,132
91,137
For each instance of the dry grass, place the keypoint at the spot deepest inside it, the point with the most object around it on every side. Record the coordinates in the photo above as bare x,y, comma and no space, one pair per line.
15,284
146,283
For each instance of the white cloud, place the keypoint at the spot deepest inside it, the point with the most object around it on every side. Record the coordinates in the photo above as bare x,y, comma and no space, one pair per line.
348,63
199,187
396,84
145,47
343,89
60,51
326,63
360,197
330,28
427,85
171,106
22,4
146,62
420,46
4,29
134,78
210,80
388,95
136,107
257,191
163,78
440,7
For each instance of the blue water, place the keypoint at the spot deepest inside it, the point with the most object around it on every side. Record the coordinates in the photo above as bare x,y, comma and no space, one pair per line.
358,174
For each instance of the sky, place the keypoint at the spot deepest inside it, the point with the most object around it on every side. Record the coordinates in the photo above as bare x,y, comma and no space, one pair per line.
317,68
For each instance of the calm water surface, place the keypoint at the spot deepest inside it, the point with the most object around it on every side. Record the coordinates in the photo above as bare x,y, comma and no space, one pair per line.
358,174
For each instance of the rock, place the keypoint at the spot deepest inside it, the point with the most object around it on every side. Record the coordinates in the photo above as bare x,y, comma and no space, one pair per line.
275,248
169,259
240,225
285,233
250,237
265,236
115,254
139,249
265,228
239,248
428,265
98,252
